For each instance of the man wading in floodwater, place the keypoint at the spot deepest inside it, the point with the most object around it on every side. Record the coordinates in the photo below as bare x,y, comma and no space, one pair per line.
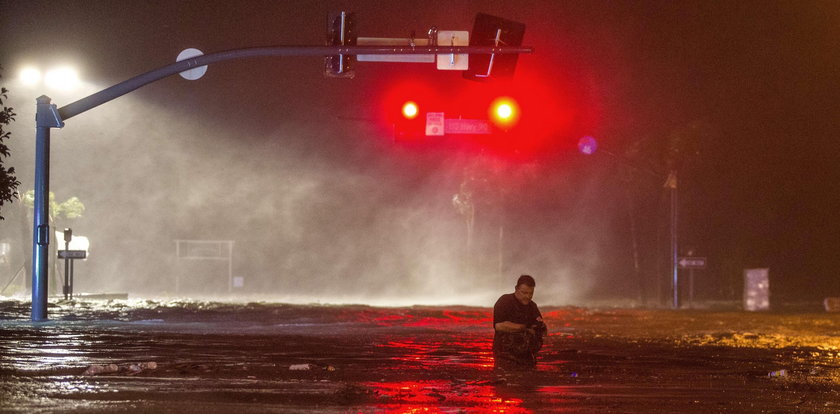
519,327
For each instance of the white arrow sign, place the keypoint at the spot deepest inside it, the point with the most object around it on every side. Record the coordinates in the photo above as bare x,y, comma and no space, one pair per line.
692,262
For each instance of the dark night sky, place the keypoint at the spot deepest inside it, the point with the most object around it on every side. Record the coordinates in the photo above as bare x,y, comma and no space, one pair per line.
752,84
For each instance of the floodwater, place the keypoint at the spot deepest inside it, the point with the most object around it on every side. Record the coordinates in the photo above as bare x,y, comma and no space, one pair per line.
188,356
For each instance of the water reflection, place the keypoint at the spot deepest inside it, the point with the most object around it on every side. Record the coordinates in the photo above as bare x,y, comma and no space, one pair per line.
468,352
443,396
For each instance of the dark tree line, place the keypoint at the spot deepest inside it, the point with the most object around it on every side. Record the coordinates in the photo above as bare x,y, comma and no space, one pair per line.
8,180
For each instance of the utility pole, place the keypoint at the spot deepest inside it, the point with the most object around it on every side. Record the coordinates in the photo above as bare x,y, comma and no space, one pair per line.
671,183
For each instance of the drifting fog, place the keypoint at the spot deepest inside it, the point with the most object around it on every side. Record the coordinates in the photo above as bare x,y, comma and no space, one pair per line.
320,210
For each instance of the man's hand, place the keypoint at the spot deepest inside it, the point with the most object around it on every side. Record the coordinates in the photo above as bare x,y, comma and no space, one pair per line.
539,329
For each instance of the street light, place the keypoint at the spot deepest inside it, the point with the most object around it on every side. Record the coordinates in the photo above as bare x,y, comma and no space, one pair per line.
60,78
30,76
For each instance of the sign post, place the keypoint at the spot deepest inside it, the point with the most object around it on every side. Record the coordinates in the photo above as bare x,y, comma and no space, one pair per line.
691,263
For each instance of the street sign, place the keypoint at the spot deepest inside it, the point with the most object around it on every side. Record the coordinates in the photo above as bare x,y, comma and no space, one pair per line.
394,41
434,124
691,262
453,61
72,254
195,73
467,126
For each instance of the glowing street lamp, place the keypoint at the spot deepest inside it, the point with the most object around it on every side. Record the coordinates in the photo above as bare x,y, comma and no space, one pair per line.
30,76
62,78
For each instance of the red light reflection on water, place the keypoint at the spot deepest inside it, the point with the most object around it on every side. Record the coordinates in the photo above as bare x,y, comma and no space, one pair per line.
432,318
558,395
442,396
475,352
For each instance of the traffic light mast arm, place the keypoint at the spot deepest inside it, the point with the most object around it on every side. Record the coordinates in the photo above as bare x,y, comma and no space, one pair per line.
113,92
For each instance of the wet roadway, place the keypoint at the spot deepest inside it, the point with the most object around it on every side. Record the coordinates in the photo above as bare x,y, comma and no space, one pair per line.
182,356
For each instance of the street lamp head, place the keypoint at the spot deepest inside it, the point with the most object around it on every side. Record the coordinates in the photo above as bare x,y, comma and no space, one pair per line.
62,78
30,76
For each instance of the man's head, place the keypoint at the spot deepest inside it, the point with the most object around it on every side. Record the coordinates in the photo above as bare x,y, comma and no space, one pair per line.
524,289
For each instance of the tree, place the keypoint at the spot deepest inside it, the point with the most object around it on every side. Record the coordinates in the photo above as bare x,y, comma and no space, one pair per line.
485,187
69,209
59,215
8,180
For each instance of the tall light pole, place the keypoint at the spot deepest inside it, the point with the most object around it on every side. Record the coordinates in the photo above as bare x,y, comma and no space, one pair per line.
61,78
46,117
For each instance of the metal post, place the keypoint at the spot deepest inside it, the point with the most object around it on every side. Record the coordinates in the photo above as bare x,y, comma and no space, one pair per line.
66,289
41,227
68,273
675,284
72,262
691,288
46,117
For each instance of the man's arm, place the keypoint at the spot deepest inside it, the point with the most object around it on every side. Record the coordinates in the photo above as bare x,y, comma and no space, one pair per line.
508,326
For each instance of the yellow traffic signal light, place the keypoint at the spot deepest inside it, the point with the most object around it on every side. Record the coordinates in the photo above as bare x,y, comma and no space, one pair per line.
410,110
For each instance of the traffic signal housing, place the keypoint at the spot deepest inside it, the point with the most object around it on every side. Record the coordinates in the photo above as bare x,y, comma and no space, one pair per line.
409,123
494,31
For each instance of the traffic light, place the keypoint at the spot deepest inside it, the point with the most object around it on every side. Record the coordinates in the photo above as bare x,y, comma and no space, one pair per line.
414,122
504,112
494,31
410,123
410,110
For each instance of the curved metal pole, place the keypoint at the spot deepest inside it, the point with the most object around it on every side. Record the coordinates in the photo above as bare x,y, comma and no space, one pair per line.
48,116
120,89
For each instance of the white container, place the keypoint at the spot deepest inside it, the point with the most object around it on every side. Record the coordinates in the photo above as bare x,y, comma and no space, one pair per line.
756,289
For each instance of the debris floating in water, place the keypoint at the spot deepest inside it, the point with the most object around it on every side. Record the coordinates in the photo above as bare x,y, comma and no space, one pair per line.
101,369
132,369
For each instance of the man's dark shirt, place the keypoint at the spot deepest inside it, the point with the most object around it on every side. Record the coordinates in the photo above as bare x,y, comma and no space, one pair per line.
509,309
